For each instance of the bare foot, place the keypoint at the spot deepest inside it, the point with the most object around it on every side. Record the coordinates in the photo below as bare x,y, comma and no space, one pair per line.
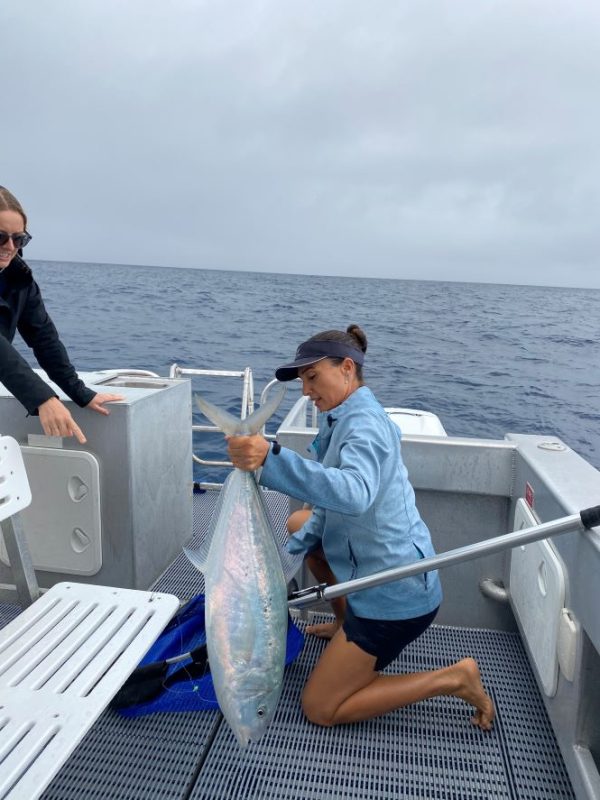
324,630
471,690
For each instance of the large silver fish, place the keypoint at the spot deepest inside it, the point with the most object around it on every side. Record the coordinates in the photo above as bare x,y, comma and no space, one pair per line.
246,592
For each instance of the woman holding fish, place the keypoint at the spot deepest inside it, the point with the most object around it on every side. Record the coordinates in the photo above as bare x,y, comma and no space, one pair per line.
363,519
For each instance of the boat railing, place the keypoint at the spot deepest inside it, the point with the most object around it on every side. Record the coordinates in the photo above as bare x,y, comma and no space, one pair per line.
247,405
247,401
304,411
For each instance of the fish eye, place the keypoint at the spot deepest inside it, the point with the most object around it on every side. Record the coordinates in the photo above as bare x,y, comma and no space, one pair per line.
261,711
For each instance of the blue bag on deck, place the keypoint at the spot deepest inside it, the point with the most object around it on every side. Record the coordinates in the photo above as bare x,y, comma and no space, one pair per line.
185,632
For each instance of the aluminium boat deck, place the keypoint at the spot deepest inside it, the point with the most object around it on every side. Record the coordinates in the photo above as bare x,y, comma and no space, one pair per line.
428,751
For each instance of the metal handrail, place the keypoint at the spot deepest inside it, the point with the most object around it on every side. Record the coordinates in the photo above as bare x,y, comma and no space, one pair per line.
584,520
263,396
314,423
176,371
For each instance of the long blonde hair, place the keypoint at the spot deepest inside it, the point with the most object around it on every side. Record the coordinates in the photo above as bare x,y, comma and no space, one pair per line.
8,202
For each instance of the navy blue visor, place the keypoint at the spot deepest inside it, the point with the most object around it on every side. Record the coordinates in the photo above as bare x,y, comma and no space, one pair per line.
316,350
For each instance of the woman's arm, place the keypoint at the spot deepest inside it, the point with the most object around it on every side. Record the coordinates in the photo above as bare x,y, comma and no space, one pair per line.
39,333
349,487
310,534
35,394
20,380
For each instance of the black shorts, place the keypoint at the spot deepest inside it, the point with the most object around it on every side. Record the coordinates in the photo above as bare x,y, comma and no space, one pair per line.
384,638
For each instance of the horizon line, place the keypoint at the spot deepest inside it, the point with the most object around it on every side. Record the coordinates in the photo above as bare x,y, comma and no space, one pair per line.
313,274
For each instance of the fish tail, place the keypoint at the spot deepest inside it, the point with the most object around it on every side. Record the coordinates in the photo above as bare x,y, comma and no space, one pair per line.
232,425
257,419
219,417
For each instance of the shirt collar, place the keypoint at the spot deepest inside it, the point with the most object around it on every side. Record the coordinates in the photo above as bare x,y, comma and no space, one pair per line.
357,398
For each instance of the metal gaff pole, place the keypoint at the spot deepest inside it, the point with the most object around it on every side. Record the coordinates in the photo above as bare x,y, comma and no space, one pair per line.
584,520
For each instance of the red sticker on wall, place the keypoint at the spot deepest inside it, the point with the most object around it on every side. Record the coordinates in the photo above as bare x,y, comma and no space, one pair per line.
529,495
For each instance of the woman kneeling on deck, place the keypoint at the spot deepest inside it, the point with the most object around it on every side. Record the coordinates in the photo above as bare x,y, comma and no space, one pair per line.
363,520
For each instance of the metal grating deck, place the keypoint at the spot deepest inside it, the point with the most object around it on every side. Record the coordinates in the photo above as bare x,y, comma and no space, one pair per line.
428,751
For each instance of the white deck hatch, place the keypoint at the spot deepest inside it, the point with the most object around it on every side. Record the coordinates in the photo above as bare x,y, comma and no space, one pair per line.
537,591
62,526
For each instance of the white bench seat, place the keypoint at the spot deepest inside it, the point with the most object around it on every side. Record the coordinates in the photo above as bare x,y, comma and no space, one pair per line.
61,662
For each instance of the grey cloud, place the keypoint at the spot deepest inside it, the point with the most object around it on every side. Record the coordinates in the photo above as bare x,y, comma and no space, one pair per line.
433,139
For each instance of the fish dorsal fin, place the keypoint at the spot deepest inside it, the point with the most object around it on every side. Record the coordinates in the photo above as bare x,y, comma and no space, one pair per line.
231,425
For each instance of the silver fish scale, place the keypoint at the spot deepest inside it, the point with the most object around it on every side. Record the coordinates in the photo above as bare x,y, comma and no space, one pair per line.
246,609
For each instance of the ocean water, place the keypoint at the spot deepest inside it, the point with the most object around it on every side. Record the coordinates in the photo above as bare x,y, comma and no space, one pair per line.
487,359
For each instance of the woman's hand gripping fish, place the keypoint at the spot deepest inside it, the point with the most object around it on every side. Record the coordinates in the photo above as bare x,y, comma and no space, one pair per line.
246,591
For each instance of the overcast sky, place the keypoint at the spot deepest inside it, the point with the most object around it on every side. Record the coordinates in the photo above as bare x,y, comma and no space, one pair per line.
455,140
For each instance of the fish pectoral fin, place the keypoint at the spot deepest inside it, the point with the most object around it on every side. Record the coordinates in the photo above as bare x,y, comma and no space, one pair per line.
199,555
196,557
290,562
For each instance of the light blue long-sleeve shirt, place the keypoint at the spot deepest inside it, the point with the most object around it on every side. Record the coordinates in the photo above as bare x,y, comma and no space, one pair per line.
364,513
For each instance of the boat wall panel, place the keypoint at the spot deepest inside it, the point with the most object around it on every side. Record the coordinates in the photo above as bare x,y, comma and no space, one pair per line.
562,483
161,483
451,464
457,520
588,733
445,464
559,483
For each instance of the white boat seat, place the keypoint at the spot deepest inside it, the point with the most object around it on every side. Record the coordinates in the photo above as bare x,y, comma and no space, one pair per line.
61,662
15,495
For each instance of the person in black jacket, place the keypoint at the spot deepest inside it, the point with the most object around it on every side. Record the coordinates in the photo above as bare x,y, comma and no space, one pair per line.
22,309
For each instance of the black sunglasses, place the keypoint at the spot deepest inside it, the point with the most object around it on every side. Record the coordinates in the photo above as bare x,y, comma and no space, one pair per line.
18,239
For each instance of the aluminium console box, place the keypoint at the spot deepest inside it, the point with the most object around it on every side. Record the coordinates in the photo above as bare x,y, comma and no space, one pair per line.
117,510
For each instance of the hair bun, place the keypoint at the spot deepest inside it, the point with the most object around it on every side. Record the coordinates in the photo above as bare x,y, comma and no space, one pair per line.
357,333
